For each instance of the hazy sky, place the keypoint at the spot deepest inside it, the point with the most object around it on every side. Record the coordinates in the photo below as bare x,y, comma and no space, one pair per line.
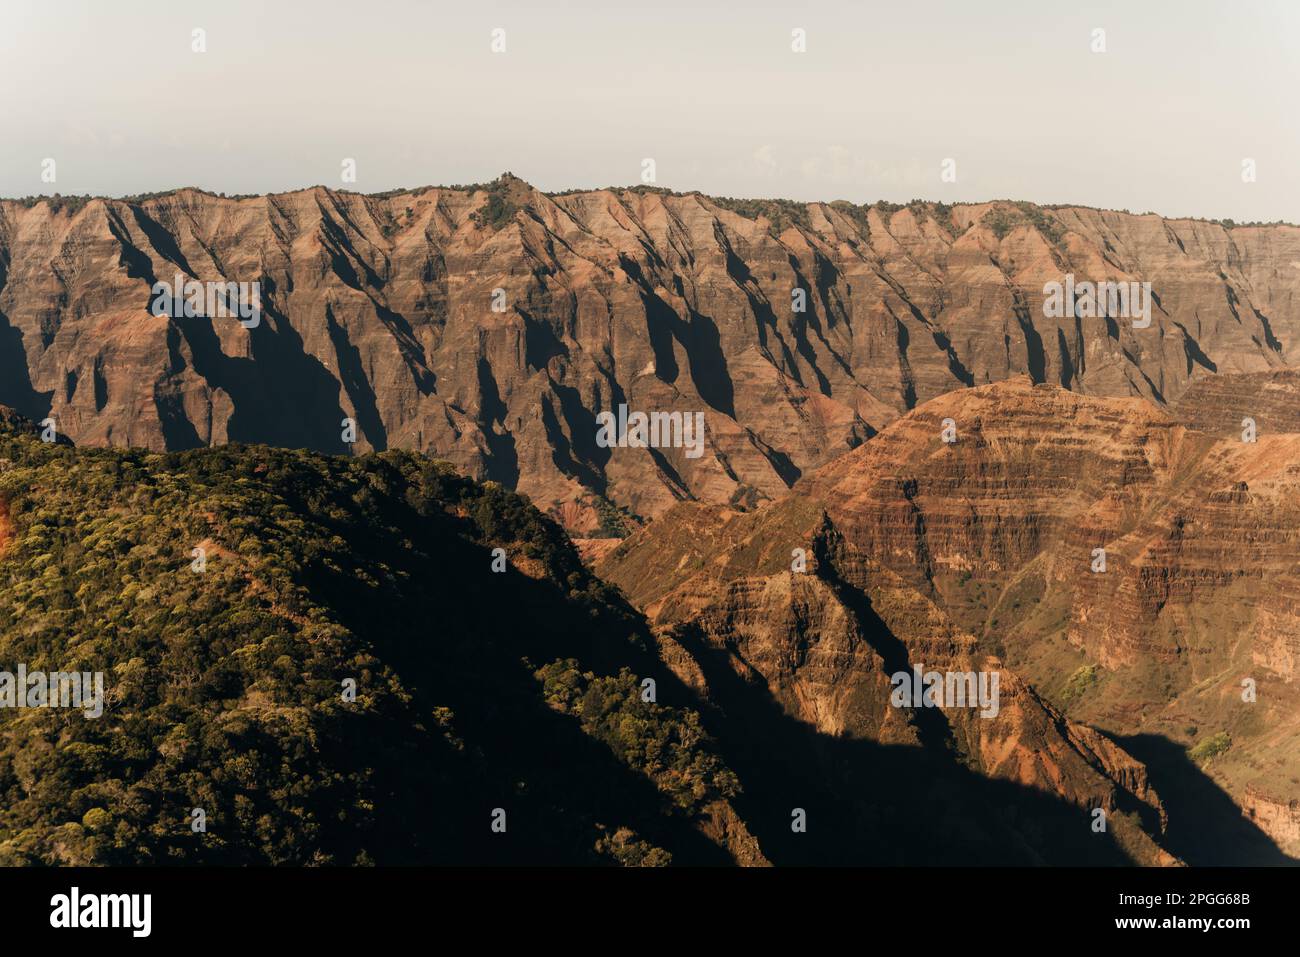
711,91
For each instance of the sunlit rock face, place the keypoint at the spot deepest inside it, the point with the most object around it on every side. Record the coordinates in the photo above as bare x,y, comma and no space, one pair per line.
492,325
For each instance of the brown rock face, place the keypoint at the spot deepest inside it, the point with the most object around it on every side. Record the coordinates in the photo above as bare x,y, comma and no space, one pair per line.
490,326
726,592
1136,573
1279,819
1200,536
1220,405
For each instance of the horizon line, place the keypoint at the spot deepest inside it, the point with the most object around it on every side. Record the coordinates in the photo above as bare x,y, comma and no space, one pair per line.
35,199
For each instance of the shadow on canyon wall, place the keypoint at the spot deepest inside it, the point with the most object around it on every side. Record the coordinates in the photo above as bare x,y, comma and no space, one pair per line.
884,805
456,643
1206,827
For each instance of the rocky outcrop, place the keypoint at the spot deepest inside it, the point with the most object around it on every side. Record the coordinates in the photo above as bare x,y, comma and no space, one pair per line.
491,325
1278,818
779,599
1127,569
1220,405
1187,629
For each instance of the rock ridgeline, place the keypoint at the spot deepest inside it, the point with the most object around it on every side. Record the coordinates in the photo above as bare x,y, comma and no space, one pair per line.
491,325
1131,570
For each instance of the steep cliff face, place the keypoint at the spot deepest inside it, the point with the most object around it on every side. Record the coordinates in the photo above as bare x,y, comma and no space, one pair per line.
1281,819
490,326
1137,573
1220,405
779,600
1140,571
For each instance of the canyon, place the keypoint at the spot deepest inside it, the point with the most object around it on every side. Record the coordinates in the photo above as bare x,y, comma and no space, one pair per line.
980,554
490,325
910,458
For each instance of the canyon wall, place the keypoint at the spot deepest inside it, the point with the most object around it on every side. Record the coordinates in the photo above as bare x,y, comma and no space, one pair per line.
490,325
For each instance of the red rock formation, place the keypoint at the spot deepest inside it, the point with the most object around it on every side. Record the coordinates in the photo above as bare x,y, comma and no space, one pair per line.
1281,819
380,309
983,550
826,658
